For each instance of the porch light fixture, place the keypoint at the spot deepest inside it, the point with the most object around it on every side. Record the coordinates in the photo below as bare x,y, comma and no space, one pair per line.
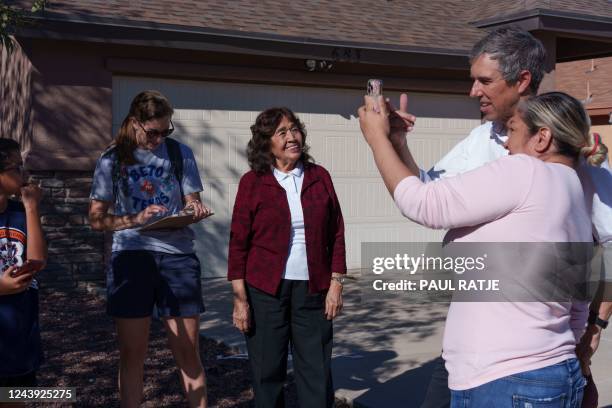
311,65
318,65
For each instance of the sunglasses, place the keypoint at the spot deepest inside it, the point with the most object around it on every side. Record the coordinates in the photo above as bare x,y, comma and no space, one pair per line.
154,133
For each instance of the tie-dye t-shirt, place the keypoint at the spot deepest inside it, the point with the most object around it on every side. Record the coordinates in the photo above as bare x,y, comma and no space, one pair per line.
150,181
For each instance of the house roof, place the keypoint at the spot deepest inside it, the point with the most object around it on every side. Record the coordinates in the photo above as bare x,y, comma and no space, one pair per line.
588,80
502,9
421,24
449,26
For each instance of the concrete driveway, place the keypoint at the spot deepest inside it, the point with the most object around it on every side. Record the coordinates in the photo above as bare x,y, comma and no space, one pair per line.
384,352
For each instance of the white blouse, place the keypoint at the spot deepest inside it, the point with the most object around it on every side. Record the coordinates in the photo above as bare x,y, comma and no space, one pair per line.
297,265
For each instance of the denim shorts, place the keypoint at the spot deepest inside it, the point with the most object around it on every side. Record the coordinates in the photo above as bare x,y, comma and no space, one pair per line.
559,385
139,280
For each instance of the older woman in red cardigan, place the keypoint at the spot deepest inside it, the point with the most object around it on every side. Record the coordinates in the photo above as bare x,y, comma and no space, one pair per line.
286,262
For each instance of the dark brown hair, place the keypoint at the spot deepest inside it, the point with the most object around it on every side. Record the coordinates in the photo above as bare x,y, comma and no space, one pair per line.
258,150
146,106
7,147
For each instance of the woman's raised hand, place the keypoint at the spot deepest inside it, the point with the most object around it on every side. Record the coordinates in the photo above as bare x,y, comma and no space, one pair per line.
400,120
374,119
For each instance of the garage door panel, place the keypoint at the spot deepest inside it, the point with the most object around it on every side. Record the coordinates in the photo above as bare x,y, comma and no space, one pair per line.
211,246
229,153
366,200
218,156
219,194
341,153
214,120
404,231
191,115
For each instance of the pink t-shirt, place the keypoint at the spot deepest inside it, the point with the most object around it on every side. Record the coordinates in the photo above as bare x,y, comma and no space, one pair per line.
516,198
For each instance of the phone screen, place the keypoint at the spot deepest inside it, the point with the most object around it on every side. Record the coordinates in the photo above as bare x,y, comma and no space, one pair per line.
31,265
375,87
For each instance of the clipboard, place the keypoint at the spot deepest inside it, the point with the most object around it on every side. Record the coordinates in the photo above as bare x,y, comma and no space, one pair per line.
173,221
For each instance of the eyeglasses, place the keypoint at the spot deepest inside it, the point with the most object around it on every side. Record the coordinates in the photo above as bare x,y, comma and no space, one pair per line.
154,133
282,132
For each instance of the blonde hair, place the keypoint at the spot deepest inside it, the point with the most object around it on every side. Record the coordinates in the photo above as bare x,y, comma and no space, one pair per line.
595,151
568,122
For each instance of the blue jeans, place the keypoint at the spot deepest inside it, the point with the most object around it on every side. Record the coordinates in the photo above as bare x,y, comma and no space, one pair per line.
557,386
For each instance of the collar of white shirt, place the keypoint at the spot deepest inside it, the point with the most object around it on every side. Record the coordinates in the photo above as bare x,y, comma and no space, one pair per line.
296,172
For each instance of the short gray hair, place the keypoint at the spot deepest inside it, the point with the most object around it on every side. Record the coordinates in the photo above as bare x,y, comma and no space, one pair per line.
514,50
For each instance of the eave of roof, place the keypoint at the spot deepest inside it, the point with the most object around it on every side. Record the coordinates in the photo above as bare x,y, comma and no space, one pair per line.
578,36
124,31
234,34
592,31
538,12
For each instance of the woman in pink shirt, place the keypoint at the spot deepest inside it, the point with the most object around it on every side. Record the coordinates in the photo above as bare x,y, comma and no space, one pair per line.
506,354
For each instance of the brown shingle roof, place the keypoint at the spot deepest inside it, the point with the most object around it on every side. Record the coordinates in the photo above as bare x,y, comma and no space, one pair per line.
501,8
437,24
419,23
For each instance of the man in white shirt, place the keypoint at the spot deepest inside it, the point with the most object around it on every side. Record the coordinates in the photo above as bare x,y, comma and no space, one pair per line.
507,65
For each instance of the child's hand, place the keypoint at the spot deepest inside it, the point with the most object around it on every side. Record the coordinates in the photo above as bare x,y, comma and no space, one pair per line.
31,195
10,285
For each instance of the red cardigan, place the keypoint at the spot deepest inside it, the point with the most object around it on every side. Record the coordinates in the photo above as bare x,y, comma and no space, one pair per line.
261,230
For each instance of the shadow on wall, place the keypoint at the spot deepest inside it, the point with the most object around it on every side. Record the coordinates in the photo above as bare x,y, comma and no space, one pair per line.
16,96
81,115
58,100
212,234
185,94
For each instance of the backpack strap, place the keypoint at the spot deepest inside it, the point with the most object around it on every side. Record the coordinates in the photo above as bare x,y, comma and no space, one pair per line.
176,162
115,169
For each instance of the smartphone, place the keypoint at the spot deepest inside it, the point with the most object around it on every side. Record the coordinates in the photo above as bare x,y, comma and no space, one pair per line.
375,87
31,265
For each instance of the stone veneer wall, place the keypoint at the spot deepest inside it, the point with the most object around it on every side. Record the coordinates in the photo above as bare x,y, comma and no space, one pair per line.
76,252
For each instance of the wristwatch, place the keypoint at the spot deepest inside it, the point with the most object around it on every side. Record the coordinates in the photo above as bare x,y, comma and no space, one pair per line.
594,319
339,279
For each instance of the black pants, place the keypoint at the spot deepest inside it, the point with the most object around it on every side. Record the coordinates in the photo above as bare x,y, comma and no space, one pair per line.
293,317
438,394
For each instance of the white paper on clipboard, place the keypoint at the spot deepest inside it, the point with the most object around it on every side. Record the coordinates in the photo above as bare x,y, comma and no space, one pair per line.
173,221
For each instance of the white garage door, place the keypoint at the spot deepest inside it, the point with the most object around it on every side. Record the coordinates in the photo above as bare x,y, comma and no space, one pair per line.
214,118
